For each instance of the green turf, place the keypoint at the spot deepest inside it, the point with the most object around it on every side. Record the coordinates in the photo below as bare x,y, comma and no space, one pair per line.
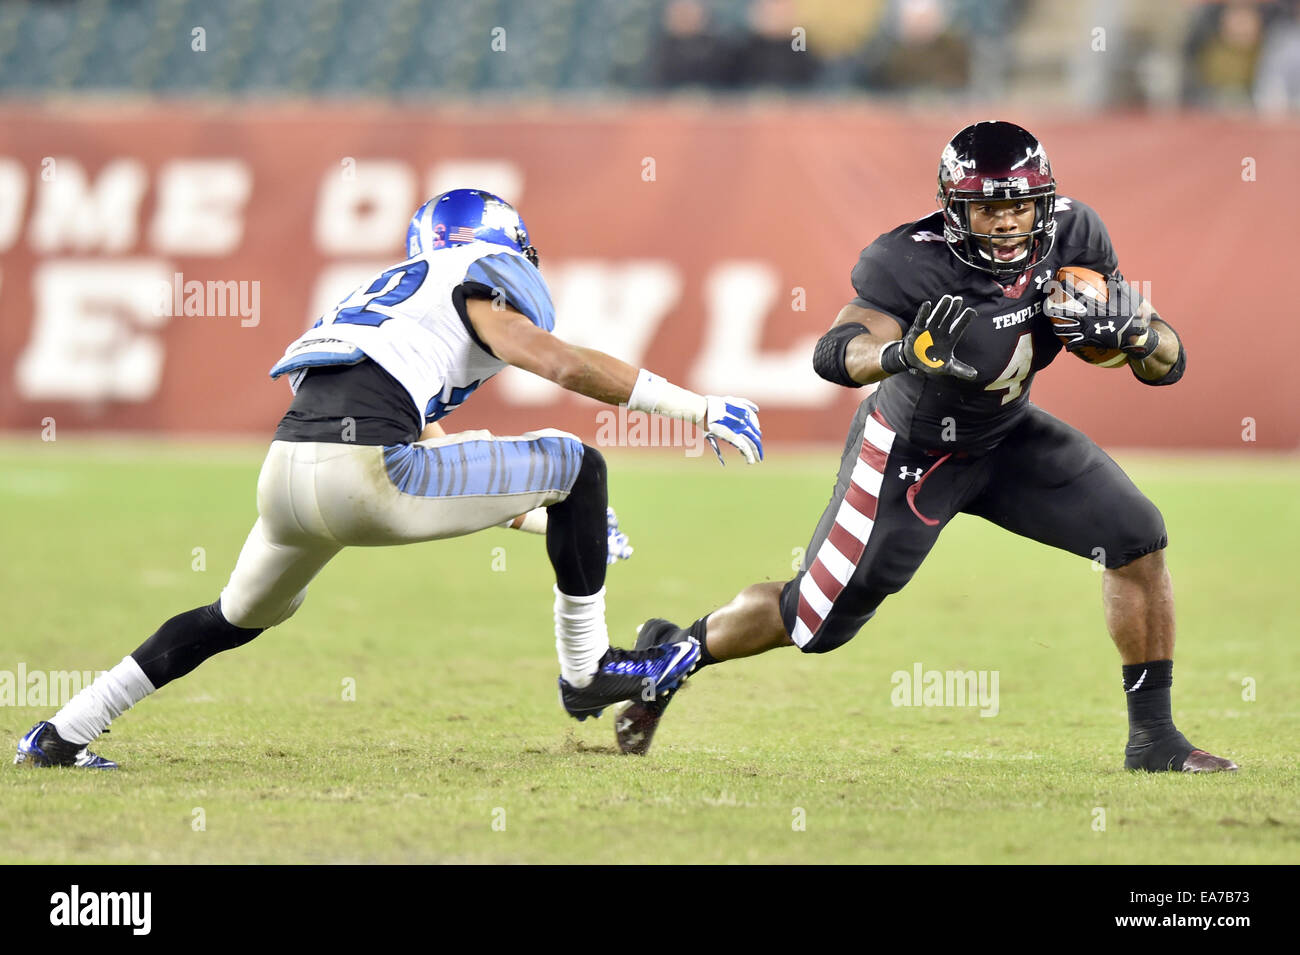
455,723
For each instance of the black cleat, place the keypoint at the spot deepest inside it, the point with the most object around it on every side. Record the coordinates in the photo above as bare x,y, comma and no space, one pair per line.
1172,754
43,747
636,722
1199,761
630,674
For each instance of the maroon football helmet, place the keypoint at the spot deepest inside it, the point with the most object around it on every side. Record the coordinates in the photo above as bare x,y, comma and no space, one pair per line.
987,162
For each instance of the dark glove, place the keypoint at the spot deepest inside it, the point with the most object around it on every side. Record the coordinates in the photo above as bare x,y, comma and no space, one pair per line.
928,345
1114,323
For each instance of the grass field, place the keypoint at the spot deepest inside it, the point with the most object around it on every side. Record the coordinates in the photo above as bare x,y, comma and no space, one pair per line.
455,724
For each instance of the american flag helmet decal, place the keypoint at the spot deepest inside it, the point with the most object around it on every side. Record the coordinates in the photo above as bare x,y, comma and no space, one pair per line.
467,215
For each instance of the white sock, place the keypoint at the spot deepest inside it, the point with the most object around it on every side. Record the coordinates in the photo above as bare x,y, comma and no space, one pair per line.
580,635
87,714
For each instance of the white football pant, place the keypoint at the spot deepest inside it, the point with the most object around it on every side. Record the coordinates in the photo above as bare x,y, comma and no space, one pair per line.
314,499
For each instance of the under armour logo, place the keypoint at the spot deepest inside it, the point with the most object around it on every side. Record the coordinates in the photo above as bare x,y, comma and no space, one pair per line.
1098,327
904,473
1040,279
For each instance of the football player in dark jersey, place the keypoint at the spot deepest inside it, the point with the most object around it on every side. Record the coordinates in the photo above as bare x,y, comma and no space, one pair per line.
948,319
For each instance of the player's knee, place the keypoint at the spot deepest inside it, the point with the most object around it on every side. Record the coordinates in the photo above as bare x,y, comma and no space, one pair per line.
1143,533
593,474
835,632
817,634
257,615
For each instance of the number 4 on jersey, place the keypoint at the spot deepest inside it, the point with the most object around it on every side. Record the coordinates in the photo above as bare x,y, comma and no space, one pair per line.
1017,370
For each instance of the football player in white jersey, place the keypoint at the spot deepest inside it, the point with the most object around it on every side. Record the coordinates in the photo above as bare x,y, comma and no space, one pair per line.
360,460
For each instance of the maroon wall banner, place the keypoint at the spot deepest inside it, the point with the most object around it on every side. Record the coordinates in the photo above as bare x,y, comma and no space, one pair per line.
155,260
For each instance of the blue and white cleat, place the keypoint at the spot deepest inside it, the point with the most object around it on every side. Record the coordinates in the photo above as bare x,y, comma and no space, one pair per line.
631,674
43,747
635,722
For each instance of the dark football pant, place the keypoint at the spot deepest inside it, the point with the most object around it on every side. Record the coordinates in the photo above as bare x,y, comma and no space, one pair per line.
1045,481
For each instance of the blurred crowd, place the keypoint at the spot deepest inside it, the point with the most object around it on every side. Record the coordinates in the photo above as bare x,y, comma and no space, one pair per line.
1204,53
1243,54
1214,54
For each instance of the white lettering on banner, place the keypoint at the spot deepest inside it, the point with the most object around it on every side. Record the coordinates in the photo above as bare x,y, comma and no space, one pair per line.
615,307
89,340
739,296
367,213
336,282
201,206
13,195
69,213
501,177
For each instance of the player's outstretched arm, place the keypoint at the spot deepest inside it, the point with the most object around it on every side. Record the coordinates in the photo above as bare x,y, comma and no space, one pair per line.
517,341
586,371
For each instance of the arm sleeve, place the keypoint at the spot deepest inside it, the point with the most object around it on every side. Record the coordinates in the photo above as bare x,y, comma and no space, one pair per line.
878,289
519,283
1175,373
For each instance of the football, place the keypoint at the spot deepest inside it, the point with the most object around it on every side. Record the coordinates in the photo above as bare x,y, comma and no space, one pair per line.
1073,286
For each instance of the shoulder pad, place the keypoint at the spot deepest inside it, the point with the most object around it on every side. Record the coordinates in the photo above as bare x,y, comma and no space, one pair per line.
520,283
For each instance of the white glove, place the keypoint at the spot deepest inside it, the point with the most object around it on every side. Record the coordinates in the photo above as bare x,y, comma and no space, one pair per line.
535,522
734,420
619,548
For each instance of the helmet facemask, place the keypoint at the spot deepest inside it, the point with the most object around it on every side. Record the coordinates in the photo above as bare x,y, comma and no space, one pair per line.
529,251
976,248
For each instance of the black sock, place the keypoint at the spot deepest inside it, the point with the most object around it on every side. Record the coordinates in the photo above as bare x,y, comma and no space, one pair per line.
186,640
1154,743
699,630
576,532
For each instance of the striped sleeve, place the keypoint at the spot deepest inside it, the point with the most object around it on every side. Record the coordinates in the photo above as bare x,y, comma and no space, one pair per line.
519,283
